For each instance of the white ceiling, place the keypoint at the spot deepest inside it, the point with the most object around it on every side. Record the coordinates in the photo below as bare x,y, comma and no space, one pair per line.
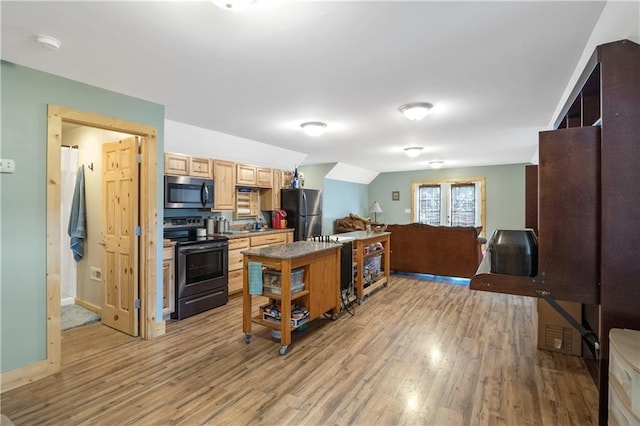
495,71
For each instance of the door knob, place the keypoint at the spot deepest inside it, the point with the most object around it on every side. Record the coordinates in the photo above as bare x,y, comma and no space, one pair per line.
103,243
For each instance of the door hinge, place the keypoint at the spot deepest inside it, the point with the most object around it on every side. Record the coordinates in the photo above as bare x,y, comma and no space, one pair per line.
137,304
139,158
137,231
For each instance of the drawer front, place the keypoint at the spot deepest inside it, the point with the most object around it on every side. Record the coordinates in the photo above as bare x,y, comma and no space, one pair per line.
235,281
235,260
264,240
238,243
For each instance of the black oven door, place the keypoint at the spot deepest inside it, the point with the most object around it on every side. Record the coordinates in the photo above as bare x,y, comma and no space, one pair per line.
201,268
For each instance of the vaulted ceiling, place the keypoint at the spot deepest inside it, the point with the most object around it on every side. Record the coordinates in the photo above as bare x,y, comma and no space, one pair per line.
495,71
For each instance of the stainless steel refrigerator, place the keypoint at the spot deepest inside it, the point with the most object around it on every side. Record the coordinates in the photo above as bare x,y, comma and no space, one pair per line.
304,211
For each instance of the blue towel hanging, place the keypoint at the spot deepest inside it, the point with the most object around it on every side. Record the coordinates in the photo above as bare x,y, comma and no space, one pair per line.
77,229
255,277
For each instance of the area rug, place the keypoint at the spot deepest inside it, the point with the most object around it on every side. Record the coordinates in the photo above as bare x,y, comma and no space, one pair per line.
75,316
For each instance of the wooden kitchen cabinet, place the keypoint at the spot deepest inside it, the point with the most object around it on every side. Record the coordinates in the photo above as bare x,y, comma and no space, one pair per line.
224,184
176,164
259,241
264,177
184,165
200,167
270,198
246,175
168,279
287,177
236,246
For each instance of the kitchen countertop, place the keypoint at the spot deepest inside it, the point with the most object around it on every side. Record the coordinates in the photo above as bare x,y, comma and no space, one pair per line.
290,250
362,235
253,233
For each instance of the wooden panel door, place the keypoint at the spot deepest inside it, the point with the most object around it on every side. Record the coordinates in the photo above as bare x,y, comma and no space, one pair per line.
264,177
120,181
568,214
224,185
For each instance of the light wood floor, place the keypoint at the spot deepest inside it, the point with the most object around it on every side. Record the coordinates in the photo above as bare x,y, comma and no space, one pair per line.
416,352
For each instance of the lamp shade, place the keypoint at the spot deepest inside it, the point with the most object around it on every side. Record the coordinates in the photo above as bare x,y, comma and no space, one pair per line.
375,208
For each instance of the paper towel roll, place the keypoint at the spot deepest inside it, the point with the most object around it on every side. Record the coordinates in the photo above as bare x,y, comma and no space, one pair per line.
244,211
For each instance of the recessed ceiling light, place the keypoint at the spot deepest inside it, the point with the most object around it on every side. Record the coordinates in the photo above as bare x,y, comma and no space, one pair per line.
416,110
233,5
48,42
314,128
413,151
436,164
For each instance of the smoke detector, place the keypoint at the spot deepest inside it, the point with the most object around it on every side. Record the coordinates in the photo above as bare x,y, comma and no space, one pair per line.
48,42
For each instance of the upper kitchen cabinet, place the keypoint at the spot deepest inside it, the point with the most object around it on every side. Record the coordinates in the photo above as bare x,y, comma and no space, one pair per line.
270,197
184,165
287,177
176,164
247,175
264,177
224,173
200,167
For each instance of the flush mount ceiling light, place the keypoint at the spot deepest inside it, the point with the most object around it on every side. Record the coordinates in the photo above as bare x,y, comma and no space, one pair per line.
314,128
436,164
413,151
48,42
233,5
416,110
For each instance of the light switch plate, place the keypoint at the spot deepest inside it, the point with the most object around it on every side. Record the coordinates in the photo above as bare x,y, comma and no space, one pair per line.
407,210
7,166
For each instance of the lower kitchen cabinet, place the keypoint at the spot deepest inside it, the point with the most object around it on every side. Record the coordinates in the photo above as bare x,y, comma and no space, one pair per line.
238,245
168,279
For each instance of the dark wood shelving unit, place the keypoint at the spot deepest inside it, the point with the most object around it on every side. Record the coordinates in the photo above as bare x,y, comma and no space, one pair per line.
586,193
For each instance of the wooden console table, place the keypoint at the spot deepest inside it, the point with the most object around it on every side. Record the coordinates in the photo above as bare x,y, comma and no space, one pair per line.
321,293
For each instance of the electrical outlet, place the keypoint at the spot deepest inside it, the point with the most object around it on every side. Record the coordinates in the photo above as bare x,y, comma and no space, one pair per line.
7,166
407,211
96,274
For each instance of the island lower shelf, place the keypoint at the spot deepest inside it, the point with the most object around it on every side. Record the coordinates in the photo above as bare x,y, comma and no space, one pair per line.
320,263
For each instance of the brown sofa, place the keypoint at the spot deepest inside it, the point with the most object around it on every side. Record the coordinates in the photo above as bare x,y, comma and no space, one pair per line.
436,250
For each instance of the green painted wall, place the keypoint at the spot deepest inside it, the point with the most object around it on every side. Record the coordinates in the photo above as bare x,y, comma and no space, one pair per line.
24,99
505,193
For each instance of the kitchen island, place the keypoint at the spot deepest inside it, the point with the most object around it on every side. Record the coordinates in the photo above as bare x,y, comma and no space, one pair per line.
371,257
315,264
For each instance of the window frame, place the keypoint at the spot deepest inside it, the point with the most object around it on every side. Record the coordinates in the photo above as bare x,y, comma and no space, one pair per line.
415,185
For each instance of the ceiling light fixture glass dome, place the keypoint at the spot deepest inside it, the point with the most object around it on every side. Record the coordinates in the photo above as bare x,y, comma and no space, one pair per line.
416,110
314,128
436,164
233,5
413,151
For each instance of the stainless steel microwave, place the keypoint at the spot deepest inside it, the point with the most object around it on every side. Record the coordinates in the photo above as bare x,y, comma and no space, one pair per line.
184,192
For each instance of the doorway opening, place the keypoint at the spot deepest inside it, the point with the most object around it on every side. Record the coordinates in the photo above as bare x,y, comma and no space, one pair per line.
61,121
